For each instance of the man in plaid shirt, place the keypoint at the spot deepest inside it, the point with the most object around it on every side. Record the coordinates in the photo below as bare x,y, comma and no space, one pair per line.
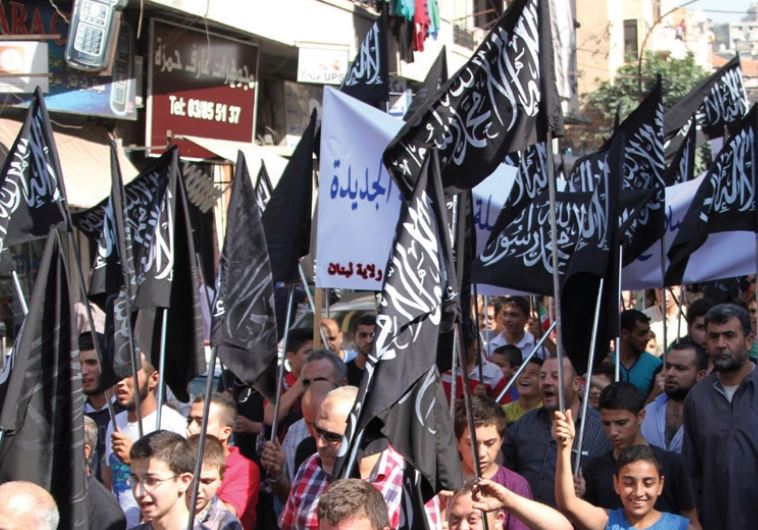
383,469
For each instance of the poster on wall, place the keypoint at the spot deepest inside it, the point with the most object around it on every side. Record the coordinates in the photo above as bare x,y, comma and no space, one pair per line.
199,84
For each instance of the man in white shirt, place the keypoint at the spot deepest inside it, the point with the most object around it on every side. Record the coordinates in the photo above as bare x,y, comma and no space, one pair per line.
514,316
118,443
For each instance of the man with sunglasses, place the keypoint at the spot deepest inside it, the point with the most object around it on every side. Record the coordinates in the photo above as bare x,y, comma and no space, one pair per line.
383,469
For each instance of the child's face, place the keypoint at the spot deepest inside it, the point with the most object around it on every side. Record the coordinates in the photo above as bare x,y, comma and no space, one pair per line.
156,488
638,485
210,481
488,446
504,364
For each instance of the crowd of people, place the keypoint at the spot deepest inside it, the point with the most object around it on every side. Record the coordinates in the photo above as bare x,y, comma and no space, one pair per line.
671,444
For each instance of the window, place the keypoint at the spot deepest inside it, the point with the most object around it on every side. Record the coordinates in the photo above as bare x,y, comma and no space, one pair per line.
630,38
487,12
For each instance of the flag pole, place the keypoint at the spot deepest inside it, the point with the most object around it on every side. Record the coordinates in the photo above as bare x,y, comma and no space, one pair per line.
617,368
590,364
479,361
280,364
663,295
486,302
161,369
524,362
556,279
202,437
458,339
453,378
19,293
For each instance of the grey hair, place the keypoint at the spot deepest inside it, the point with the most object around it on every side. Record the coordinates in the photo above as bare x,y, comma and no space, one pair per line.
723,313
340,370
90,437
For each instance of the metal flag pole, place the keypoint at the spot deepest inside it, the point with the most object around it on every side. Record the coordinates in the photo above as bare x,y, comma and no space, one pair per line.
467,405
202,438
453,377
680,313
663,296
556,279
161,370
280,364
524,362
617,369
479,361
489,337
20,293
590,364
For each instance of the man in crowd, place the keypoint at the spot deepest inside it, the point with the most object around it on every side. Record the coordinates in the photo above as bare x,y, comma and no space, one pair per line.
686,364
119,442
514,315
352,504
721,426
25,505
696,320
529,448
621,414
334,338
240,487
103,512
364,336
637,366
96,404
383,469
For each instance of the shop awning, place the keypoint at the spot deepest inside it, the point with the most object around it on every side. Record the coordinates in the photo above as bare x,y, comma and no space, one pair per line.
272,156
85,161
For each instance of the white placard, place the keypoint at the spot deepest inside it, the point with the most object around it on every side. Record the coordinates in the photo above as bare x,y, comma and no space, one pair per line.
358,202
723,255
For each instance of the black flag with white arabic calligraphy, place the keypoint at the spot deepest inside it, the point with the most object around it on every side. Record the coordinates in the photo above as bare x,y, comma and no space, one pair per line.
595,257
174,269
725,200
41,395
263,188
368,77
502,100
401,397
681,168
244,326
718,101
435,78
30,181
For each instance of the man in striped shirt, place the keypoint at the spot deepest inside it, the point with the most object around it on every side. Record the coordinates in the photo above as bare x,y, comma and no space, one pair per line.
382,469
529,448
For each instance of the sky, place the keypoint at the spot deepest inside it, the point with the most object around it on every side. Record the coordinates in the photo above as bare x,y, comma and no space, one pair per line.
711,8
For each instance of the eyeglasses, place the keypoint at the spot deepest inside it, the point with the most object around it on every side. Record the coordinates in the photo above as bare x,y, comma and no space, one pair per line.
328,436
149,484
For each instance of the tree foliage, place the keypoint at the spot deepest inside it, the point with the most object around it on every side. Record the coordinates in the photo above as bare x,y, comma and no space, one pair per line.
678,76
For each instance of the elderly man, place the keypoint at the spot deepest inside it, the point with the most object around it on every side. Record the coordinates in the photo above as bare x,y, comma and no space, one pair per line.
24,505
103,511
721,425
384,469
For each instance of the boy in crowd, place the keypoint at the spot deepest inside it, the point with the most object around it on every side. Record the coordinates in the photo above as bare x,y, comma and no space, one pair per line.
161,474
528,388
621,413
209,510
508,358
489,427
352,504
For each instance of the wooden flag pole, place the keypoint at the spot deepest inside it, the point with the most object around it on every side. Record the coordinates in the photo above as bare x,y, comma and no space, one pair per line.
556,278
318,304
